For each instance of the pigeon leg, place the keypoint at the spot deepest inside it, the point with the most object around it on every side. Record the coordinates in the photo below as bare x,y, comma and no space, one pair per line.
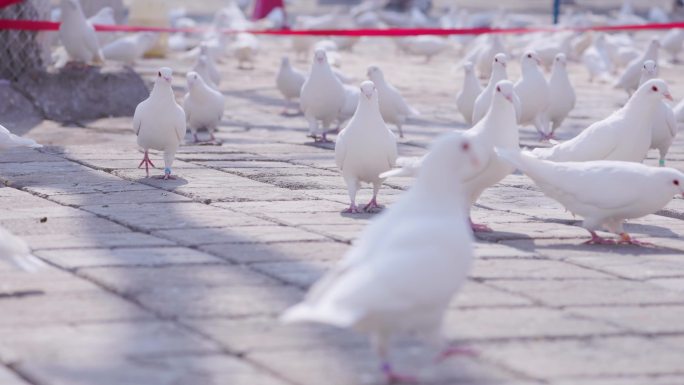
373,203
352,188
401,131
598,240
147,162
627,239
478,228
194,136
379,342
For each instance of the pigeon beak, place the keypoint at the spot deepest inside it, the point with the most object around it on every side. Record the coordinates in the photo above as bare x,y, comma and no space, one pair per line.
319,60
368,95
474,161
168,79
668,96
538,61
509,98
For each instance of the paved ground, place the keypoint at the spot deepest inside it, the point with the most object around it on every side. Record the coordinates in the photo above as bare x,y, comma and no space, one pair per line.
180,282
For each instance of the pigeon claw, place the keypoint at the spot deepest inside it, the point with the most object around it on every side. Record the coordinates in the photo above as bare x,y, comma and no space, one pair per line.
598,240
456,351
479,228
352,209
626,239
372,206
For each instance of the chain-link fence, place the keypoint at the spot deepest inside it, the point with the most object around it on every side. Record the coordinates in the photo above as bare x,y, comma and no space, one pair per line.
23,51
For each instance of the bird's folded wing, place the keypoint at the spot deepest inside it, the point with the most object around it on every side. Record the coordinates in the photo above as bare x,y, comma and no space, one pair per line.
340,150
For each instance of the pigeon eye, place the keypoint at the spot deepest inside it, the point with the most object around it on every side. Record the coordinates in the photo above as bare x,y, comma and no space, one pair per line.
465,146
159,73
498,89
496,60
529,55
675,182
654,88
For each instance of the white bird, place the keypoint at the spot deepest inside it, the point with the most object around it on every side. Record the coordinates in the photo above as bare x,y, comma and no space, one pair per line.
498,128
664,122
672,42
425,45
289,81
159,122
604,193
534,94
465,100
597,60
245,48
129,49
392,281
16,250
629,80
322,97
562,95
203,106
365,148
625,135
206,67
393,107
9,140
484,100
486,54
77,34
548,47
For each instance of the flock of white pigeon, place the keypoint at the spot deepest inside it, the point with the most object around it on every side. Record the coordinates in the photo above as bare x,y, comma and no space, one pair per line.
387,283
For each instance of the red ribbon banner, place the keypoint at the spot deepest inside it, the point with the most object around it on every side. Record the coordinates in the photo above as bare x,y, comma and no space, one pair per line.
40,25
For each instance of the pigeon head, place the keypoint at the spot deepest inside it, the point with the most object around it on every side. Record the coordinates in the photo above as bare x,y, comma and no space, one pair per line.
500,59
654,44
285,61
165,74
673,180
504,88
468,67
375,74
450,154
655,88
530,58
560,59
367,89
650,67
320,57
193,78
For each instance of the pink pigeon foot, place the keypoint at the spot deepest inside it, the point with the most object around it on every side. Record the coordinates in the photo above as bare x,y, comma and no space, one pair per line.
456,351
372,205
393,377
477,228
147,162
353,209
598,240
626,239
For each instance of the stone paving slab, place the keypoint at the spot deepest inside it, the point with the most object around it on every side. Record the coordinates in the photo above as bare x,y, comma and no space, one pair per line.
176,282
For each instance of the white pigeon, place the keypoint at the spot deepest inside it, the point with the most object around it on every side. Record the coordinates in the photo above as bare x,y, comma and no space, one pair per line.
534,94
203,106
289,81
562,95
322,97
597,60
548,47
77,34
425,45
625,135
245,48
129,49
664,122
392,281
485,57
629,80
484,100
604,193
351,101
365,148
672,42
16,250
9,140
465,100
159,122
498,128
206,67
393,107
